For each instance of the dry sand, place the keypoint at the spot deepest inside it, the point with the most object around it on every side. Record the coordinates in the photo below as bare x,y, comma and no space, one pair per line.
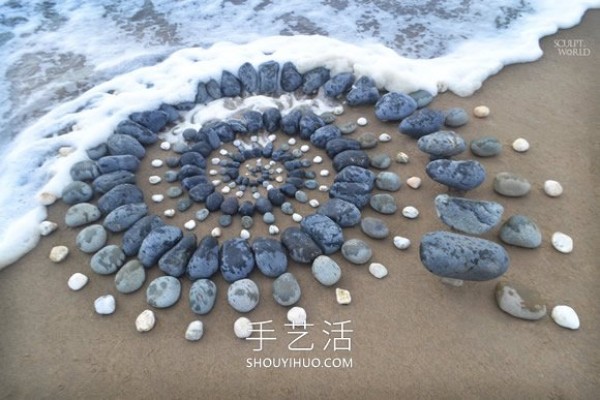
414,337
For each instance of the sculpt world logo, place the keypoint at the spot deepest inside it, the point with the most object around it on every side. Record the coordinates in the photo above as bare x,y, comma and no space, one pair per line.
572,47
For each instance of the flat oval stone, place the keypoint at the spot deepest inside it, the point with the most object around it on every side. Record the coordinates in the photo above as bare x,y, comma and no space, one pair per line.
460,175
174,262
286,290
364,92
157,243
324,134
236,259
77,192
204,263
125,162
343,213
270,256
81,214
358,194
119,196
357,251
91,239
355,174
381,161
422,97
106,182
326,271
521,231
336,146
350,157
338,84
487,146
442,144
383,203
105,305
300,246
451,255
367,140
388,181
562,242
324,231
85,170
243,295
163,292
394,106
511,185
456,117
466,215
131,277
203,294
107,260
422,122
134,236
520,301
123,217
374,228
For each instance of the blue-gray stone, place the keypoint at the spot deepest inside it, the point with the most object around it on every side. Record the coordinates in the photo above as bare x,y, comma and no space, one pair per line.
202,96
106,182
85,170
324,231
269,218
287,208
163,292
170,111
236,259
243,295
271,119
204,263
248,78
460,175
225,220
81,214
374,228
134,236
203,294
324,134
276,197
107,260
230,85
175,261
140,133
263,205
383,203
348,127
184,204
308,124
421,97
364,92
301,196
328,117
314,79
91,239
230,206
214,201
338,84
123,217
486,146
214,89
343,213
511,185
355,174
97,152
311,184
300,246
221,129
124,144
350,157
355,193
456,117
290,122
394,106
202,214
388,181
456,256
125,162
442,144
326,271
381,161
357,251
192,158
267,77
130,277
237,126
77,192
270,256
290,79
191,171
286,290
200,193
466,215
174,192
153,120
247,222
336,146
119,196
253,121
422,122
158,242
521,231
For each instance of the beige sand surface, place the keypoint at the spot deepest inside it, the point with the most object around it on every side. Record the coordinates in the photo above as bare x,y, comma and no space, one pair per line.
413,337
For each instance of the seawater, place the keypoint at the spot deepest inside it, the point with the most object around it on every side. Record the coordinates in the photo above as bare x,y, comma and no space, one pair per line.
72,71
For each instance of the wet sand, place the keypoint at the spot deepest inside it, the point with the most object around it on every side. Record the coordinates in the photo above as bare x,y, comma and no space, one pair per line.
413,337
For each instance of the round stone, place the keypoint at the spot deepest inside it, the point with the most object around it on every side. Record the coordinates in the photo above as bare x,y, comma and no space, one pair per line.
414,182
318,160
286,290
367,140
169,213
380,161
163,292
273,230
243,295
157,198
287,208
91,239
562,242
297,217
296,316
511,185
165,146
553,188
154,179
305,148
481,111
520,301
202,214
203,294
520,145
242,327
401,242
324,172
77,281
194,331
156,163
410,212
388,181
107,260
244,234
374,228
247,222
190,225
521,231
383,203
362,121
269,218
47,227
225,220
145,321
131,277
216,232
326,270
385,137
105,305
301,196
356,251
402,158
566,317
456,117
378,270
486,146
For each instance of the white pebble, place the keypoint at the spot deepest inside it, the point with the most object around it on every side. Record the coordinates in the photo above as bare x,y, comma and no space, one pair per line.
562,242
273,230
157,198
378,270
77,281
216,182
279,170
256,195
292,141
338,110
254,139
305,148
566,317
481,111
145,321
553,188
297,316
226,190
46,198
215,161
401,242
245,234
271,163
242,327
318,160
165,146
269,187
259,162
362,121
194,331
414,182
272,137
216,232
47,227
323,188
190,225
520,145
154,179
59,253
314,203
237,142
324,172
239,194
410,212
279,179
232,185
343,296
169,212
105,305
385,137
65,151
223,152
213,172
452,282
296,217
157,163
402,158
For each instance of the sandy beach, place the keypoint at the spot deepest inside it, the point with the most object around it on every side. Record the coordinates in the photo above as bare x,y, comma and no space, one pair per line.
413,336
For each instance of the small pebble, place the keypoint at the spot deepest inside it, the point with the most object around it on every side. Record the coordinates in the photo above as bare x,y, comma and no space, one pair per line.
77,281
338,110
566,317
65,151
216,232
273,230
226,190
402,158
190,225
256,195
215,161
305,148
174,191
201,215
216,182
165,146
59,253
342,296
314,203
213,172
401,242
318,160
279,179
553,188
157,163
225,220
239,194
105,305
323,188
296,316
157,198
297,217
324,172
46,199
410,212
362,121
414,182
272,137
245,234
481,111
254,138
47,227
145,321
242,327
292,141
452,282
223,152
385,137
279,170
169,212
520,145
194,331
269,218
154,179
562,242
378,270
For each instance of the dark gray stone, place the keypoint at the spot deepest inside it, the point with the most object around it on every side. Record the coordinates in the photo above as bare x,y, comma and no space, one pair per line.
124,144
511,185
355,193
367,140
204,263
163,292
97,152
91,239
343,213
421,97
374,228
271,119
119,196
175,261
267,77
286,290
338,84
308,124
107,260
314,79
201,192
381,161
248,78
123,217
521,231
300,246
243,295
193,158
466,215
442,144
355,174
350,157
270,256
106,182
85,170
324,134
456,117
141,133
336,146
157,243
236,259
134,236
357,251
394,106
203,294
383,203
81,214
130,277
486,146
422,122
388,181
363,92
324,231
460,175
230,85
290,122
77,192
291,79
